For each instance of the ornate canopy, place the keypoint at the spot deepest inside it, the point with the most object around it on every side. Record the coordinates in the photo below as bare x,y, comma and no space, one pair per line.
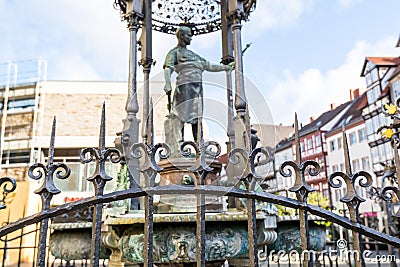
203,16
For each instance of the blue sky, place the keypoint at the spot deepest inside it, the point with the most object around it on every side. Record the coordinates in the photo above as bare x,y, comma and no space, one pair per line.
305,54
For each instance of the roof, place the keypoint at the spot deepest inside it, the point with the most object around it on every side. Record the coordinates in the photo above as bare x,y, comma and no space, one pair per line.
352,115
323,119
384,61
283,144
381,61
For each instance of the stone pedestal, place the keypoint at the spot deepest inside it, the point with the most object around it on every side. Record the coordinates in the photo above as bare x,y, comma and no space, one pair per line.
175,171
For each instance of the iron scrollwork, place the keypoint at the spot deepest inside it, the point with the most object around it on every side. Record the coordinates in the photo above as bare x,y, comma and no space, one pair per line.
351,197
100,156
148,154
388,194
249,175
47,189
59,170
201,150
300,186
6,190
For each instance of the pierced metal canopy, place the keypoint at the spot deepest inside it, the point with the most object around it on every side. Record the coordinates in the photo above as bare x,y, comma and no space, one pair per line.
203,16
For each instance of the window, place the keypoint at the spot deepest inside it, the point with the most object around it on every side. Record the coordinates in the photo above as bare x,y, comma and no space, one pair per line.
332,145
80,171
370,96
342,167
356,165
361,135
368,79
396,89
389,151
383,119
309,143
381,152
334,168
374,154
21,104
376,122
374,75
318,140
373,94
15,156
369,127
352,138
302,148
339,142
365,163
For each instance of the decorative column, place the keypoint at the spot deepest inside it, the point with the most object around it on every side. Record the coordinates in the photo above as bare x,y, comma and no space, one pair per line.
146,62
132,13
227,57
242,127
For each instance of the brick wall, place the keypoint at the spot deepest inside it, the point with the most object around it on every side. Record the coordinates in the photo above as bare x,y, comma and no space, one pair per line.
19,125
79,115
18,173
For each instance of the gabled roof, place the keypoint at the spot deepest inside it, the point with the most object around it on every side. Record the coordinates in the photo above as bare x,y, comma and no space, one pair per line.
353,114
322,120
381,62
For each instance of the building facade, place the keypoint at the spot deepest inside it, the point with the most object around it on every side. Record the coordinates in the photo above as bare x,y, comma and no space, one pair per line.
314,146
359,151
377,72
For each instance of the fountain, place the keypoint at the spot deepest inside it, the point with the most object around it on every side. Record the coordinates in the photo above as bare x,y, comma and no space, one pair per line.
177,221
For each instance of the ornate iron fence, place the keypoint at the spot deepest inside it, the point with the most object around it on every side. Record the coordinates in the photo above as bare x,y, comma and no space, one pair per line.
149,155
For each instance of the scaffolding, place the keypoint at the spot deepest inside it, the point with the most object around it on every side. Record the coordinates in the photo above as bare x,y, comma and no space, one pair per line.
20,92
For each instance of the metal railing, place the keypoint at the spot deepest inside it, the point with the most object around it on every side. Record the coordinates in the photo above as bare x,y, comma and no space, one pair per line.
358,235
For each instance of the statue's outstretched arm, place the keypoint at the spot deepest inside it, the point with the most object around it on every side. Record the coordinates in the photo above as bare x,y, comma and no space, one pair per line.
216,67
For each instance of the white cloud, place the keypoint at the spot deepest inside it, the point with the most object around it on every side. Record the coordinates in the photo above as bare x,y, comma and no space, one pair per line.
273,14
75,68
311,92
347,3
90,30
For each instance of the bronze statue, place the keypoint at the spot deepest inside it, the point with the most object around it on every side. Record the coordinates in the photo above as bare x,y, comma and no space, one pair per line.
189,89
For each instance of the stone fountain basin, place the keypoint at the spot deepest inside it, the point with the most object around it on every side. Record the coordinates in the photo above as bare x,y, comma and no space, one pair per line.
174,237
